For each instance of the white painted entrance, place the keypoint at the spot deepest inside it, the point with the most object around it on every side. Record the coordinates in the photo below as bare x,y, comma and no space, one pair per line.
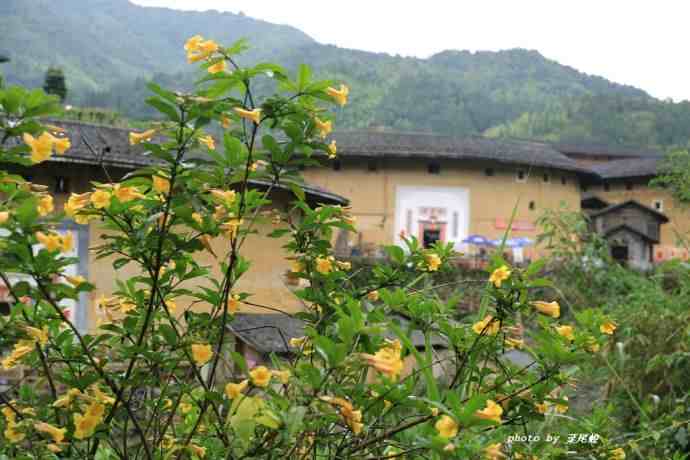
431,213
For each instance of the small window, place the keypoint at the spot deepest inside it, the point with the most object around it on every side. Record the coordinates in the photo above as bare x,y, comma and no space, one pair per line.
607,187
521,175
336,165
61,185
372,166
532,206
564,180
434,168
4,309
628,186
546,178
658,205
489,172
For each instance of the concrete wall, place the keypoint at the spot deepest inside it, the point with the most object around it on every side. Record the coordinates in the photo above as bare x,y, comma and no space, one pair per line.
374,194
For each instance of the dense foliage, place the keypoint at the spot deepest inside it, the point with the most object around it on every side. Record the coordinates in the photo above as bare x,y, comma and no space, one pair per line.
515,93
385,368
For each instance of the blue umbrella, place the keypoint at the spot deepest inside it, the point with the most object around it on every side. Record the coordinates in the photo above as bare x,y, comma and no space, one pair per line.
477,240
514,242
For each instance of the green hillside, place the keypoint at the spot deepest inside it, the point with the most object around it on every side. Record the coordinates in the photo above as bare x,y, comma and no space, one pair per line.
110,48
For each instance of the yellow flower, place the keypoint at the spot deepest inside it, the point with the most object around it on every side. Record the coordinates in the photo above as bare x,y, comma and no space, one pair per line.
198,218
62,144
39,335
283,376
373,296
75,203
67,242
387,360
344,265
84,426
561,408
609,327
95,411
617,454
514,343
433,261
138,138
493,452
45,205
566,331
58,434
197,450
208,142
100,199
225,122
542,408
352,417
302,343
230,227
201,353
340,95
193,43
251,115
492,411
488,325
67,398
499,275
260,376
161,184
446,427
324,127
21,349
199,49
54,448
4,217
548,308
41,148
51,241
234,390
234,303
592,345
226,197
220,66
126,194
185,407
100,396
324,266
332,150
9,414
12,435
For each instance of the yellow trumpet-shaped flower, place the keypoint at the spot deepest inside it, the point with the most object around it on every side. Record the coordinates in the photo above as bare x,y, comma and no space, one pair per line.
324,127
58,434
84,426
433,261
446,427
138,138
489,326
101,199
61,144
492,411
234,303
161,184
499,275
373,296
225,197
208,142
75,203
302,343
21,349
225,122
41,147
548,308
251,115
45,205
617,454
126,194
201,353
51,241
199,49
230,227
234,390
566,331
260,376
38,335
67,242
609,327
220,66
340,95
352,417
67,399
332,150
12,435
493,452
4,217
283,376
387,360
324,266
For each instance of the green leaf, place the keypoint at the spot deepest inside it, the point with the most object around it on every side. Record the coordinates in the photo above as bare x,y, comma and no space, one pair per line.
298,191
164,108
168,334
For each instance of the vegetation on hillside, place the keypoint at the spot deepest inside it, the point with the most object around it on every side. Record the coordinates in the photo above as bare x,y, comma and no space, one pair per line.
515,93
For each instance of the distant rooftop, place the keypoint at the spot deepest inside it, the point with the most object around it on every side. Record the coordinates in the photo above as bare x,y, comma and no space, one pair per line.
630,168
590,149
390,144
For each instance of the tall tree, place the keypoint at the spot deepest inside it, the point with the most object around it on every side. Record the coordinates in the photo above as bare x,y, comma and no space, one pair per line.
55,83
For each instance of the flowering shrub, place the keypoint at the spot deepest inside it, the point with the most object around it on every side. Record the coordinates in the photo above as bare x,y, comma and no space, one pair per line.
384,369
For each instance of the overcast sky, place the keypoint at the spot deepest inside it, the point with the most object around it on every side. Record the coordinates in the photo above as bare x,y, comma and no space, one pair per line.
635,42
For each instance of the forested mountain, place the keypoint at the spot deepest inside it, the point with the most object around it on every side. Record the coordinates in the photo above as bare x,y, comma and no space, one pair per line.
110,48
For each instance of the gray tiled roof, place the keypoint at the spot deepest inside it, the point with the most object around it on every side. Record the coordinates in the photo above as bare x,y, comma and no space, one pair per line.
582,148
620,169
631,203
389,144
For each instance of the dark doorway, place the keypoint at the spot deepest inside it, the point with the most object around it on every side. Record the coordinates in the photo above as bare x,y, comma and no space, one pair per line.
430,237
620,254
